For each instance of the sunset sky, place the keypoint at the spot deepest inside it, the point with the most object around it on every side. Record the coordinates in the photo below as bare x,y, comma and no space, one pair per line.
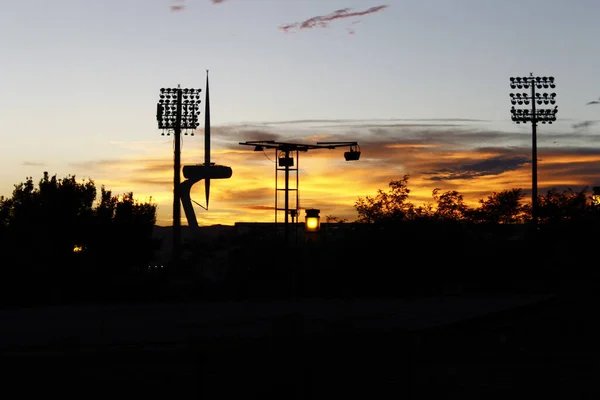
422,86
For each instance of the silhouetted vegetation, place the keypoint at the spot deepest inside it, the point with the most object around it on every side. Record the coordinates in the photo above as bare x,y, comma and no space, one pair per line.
396,248
59,244
62,243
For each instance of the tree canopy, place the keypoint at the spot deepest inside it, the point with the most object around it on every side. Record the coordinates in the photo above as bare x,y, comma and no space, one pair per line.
499,208
58,229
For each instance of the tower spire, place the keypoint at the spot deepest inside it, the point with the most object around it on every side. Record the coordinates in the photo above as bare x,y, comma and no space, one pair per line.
207,140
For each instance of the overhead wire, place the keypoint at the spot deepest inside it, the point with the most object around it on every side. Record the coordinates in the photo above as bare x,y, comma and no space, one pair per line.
268,158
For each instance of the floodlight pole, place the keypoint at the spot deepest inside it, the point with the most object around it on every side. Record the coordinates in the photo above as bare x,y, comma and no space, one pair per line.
534,178
177,181
175,114
533,116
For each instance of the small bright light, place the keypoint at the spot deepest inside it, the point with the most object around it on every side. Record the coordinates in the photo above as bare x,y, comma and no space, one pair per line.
78,249
312,223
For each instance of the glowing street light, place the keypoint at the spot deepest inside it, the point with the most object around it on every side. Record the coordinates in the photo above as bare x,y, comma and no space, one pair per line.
312,221
524,110
177,110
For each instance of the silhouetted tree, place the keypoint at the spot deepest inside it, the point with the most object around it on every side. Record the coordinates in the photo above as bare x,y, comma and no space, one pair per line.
44,223
556,206
5,214
54,233
393,206
331,219
124,225
389,206
503,207
449,205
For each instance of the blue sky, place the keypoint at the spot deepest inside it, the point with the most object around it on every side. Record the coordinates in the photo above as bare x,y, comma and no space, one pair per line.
80,82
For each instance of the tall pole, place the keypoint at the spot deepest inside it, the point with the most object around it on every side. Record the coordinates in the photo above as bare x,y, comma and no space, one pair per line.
207,140
534,184
177,181
533,115
177,110
287,193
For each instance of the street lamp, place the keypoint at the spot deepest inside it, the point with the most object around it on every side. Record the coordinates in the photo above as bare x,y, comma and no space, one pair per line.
177,110
527,112
312,221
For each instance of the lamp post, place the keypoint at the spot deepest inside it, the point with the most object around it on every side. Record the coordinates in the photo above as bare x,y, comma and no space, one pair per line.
285,162
527,112
177,110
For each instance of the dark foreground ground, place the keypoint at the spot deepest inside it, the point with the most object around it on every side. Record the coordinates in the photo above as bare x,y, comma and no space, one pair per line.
480,347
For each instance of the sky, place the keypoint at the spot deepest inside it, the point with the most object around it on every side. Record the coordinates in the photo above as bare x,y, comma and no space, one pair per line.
422,86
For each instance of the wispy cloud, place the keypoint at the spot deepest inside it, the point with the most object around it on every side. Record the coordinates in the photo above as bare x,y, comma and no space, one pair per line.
593,102
322,21
33,164
583,125
180,6
372,122
491,166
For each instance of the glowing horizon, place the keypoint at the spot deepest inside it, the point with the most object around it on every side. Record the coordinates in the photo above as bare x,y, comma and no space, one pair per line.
433,157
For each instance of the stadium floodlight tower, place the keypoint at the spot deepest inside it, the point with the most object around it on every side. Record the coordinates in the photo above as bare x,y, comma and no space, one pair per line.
524,111
177,111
